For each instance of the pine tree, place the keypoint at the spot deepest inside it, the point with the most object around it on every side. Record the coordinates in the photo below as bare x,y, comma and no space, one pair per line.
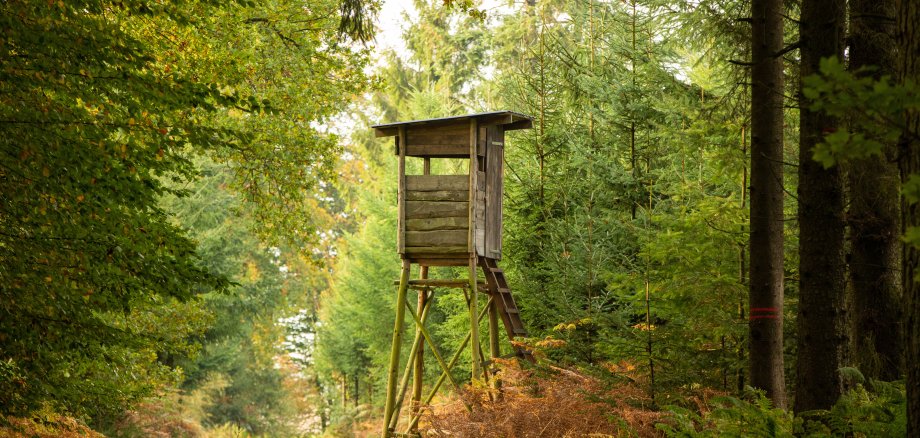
766,272
822,268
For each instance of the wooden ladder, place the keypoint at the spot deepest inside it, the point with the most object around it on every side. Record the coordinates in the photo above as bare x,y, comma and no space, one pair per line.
501,295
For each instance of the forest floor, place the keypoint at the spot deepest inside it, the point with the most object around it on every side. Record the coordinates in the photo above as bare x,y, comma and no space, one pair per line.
547,401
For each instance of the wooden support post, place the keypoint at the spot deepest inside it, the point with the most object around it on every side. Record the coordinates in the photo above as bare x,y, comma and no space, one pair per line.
494,348
473,262
401,194
446,373
397,343
419,374
410,366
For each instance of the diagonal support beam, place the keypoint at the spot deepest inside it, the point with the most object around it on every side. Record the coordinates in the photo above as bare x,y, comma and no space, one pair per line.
434,349
404,383
445,374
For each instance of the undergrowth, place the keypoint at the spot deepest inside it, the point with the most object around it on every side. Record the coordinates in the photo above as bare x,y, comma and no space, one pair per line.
45,425
547,402
873,409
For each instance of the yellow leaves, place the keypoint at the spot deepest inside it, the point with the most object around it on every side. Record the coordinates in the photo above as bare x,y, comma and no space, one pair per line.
80,198
549,342
252,272
48,279
564,327
131,121
46,172
644,327
619,368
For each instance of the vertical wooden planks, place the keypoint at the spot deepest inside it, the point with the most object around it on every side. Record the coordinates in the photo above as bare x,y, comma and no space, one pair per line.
474,173
471,241
494,188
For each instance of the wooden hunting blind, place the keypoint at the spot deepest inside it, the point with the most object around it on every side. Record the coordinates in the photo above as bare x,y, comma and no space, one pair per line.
450,220
435,210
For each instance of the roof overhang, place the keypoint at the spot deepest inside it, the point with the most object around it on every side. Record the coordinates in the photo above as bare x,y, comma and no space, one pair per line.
510,120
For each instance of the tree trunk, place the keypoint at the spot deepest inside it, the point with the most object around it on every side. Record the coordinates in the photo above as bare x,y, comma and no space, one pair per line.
822,267
909,151
874,304
766,276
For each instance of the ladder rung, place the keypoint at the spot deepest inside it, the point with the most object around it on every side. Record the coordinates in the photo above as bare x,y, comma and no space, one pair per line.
512,310
520,331
504,290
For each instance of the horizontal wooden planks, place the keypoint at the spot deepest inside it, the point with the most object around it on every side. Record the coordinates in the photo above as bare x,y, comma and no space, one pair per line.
433,183
433,251
437,223
436,238
435,209
439,138
437,151
439,195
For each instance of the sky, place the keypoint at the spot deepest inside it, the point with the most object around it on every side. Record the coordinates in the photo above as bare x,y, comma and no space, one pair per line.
390,22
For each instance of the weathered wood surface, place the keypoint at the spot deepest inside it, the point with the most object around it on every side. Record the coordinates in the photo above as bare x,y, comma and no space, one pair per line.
480,241
474,183
439,282
401,193
436,238
438,137
437,223
436,150
432,183
510,120
440,260
460,127
430,251
493,190
435,209
440,195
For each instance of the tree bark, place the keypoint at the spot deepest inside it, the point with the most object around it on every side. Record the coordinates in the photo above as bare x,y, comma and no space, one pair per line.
874,296
766,276
909,153
822,267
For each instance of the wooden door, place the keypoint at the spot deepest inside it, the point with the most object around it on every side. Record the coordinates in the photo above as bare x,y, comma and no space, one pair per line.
495,145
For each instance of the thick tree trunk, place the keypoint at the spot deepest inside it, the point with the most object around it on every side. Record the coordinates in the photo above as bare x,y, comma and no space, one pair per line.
766,276
874,304
909,149
822,267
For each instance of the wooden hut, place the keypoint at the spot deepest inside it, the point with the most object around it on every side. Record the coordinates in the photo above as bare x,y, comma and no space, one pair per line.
441,221
450,220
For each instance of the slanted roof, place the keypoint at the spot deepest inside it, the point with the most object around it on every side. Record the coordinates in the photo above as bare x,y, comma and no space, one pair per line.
509,119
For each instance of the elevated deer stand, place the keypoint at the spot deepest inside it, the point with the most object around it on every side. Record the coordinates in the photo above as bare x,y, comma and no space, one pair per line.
450,220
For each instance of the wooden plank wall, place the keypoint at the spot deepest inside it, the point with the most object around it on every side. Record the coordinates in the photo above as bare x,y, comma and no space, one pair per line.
450,141
493,192
437,214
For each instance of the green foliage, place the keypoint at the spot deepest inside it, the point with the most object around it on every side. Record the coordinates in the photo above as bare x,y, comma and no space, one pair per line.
871,107
877,409
731,417
104,107
874,410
